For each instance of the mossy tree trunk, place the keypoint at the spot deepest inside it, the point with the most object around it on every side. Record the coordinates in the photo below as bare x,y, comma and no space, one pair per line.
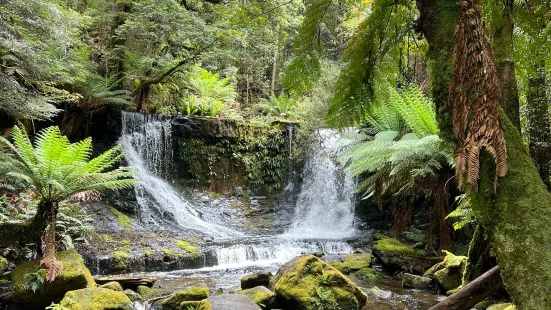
26,232
517,218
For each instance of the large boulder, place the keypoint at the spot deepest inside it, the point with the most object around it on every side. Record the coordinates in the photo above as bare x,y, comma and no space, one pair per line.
448,273
31,289
261,278
114,285
96,299
308,283
261,296
195,294
506,306
395,255
227,302
417,282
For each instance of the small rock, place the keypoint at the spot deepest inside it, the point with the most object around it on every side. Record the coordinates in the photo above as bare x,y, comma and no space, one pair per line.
189,305
195,294
507,306
261,278
262,296
227,302
417,282
318,254
449,272
113,285
147,292
368,275
97,299
133,295
355,262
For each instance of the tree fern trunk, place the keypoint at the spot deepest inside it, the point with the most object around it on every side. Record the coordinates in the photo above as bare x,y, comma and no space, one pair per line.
49,260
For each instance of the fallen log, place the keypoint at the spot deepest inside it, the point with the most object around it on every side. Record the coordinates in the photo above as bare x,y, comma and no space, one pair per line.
471,294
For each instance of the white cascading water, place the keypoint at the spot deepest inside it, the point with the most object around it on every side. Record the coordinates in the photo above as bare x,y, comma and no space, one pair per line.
325,206
147,143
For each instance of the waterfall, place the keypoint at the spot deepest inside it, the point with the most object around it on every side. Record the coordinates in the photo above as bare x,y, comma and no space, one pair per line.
325,205
147,143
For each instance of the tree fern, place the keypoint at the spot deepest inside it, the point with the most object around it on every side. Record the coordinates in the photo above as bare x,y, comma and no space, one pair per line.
55,169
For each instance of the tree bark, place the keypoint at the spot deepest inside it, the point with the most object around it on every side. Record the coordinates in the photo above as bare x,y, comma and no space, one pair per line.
473,293
502,45
538,124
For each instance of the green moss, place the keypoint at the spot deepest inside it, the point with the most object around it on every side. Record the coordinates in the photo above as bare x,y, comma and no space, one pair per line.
195,294
118,261
96,299
517,218
193,251
3,264
340,266
394,246
167,252
124,220
358,261
115,286
261,296
379,236
449,272
148,253
133,296
499,306
368,275
308,283
189,305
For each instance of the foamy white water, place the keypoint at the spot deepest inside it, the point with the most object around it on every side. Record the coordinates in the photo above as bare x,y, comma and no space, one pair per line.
147,143
325,206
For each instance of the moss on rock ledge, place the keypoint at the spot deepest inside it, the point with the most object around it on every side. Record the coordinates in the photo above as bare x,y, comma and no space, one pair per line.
449,272
308,283
398,256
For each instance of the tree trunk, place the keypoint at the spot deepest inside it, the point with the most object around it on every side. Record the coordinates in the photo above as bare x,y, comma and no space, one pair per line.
518,214
49,260
479,258
274,62
26,232
517,218
538,124
502,45
473,293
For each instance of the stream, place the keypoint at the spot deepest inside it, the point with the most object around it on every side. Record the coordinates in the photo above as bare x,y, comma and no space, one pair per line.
323,219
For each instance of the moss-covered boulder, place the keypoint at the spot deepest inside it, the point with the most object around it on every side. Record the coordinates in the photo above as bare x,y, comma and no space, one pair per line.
114,285
195,294
378,236
189,305
368,275
261,278
30,288
417,282
96,299
500,307
261,296
308,283
448,273
357,261
395,255
226,302
3,265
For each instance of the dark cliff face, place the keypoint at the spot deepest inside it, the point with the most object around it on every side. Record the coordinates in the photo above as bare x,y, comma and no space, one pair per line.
221,155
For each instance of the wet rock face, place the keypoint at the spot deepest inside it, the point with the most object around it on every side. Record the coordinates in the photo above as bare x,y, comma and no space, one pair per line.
256,279
96,299
74,275
308,283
